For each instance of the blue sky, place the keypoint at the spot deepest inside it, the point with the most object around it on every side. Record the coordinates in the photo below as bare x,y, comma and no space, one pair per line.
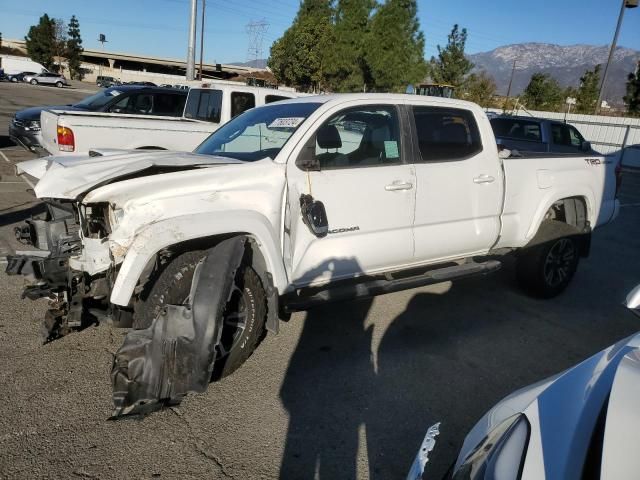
159,27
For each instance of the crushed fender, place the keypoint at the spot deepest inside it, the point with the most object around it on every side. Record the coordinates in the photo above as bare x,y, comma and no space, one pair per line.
159,365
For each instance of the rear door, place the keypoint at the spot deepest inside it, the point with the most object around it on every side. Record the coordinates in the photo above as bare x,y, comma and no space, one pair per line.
459,184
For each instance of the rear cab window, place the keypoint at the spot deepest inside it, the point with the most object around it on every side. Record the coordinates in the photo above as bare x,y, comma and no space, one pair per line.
446,134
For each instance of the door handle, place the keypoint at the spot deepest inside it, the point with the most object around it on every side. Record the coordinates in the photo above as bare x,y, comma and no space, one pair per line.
392,187
484,179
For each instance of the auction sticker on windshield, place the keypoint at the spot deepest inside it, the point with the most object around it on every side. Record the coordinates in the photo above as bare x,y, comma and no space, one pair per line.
286,122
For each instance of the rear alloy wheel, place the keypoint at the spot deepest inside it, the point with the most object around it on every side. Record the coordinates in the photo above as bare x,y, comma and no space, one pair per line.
59,84
34,82
14,79
546,269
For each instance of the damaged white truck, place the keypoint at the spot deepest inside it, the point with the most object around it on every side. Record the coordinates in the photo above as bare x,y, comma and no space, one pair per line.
287,206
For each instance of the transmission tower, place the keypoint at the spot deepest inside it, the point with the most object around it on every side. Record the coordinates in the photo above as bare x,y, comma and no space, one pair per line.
256,31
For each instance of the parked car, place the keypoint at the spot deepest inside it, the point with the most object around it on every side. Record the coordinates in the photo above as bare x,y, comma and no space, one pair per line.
581,423
148,84
106,82
46,78
19,77
25,127
166,126
282,209
529,134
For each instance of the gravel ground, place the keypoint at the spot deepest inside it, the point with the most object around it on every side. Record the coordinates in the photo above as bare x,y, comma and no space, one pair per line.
344,391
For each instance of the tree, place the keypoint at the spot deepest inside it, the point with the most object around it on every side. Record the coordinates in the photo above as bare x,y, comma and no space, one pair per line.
632,98
587,95
395,46
74,49
479,88
452,66
543,93
346,67
60,41
297,57
40,42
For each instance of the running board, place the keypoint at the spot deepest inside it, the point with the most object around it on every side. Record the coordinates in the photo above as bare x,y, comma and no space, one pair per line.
380,286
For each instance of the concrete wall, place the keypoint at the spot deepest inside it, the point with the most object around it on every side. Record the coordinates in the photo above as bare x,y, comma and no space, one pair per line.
615,136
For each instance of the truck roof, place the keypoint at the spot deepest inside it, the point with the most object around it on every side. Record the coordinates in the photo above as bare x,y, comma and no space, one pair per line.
399,97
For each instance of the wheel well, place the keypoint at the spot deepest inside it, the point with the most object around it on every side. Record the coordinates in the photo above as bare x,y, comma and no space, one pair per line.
258,262
572,211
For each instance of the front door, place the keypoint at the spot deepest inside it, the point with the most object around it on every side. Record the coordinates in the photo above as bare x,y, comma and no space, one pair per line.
368,190
459,185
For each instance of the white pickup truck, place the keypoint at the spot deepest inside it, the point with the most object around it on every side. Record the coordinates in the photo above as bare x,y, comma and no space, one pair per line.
138,122
287,206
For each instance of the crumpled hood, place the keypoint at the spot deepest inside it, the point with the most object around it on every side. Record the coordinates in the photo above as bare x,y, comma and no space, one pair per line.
70,176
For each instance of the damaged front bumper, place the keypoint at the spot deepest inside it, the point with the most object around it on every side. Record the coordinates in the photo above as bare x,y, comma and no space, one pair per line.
56,236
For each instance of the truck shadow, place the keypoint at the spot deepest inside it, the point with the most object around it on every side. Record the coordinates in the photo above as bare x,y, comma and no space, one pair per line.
15,216
5,141
362,389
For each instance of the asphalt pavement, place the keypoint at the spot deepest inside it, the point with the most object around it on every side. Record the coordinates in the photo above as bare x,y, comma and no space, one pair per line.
344,391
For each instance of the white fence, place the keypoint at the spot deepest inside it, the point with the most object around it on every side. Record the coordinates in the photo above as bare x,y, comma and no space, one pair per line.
615,136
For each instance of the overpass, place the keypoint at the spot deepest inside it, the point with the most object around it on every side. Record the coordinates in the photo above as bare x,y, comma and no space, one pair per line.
113,61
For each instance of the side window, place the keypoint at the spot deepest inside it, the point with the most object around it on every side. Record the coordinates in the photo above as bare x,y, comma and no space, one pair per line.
274,98
141,104
561,134
204,105
516,129
170,105
241,102
446,133
359,137
122,105
576,138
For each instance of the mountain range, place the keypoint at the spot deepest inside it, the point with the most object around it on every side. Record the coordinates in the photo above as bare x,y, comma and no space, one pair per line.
565,63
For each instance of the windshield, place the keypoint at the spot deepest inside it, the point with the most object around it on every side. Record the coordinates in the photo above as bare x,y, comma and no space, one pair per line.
99,99
257,133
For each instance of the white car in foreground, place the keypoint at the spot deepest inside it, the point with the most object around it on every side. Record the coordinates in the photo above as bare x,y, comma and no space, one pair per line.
581,423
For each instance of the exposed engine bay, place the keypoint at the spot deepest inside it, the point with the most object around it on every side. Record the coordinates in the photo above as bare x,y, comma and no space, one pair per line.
76,299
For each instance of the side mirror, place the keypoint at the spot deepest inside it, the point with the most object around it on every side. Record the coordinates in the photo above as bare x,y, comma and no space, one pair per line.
633,301
585,146
314,215
307,160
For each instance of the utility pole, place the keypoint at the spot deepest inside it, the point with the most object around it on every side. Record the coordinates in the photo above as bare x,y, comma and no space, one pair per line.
513,71
202,39
625,4
191,49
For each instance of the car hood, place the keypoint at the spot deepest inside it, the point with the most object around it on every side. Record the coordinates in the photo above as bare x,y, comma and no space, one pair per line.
68,177
563,413
33,113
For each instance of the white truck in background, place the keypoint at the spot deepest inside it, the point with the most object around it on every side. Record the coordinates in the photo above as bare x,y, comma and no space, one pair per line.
286,207
131,124
12,65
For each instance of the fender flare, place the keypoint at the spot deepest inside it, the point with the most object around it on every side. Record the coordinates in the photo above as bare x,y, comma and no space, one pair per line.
584,193
163,234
